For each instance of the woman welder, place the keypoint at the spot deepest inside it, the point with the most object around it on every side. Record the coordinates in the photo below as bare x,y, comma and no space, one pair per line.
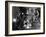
21,18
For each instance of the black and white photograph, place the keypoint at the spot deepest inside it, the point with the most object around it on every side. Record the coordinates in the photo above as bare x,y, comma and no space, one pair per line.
24,18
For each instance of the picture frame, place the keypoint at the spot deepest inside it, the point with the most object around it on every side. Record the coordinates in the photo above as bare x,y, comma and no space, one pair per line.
29,10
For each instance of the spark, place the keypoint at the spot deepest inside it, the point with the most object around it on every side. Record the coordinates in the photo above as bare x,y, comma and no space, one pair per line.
14,20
